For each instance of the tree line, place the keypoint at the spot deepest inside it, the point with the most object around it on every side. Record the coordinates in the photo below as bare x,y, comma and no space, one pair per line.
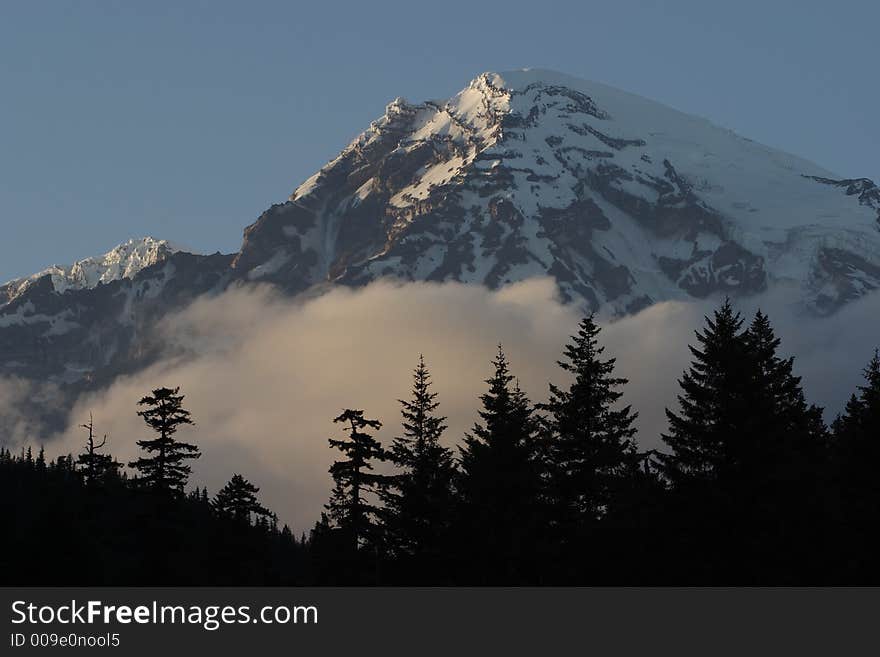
751,487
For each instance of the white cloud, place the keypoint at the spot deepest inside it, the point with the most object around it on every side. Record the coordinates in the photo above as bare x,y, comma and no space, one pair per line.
264,375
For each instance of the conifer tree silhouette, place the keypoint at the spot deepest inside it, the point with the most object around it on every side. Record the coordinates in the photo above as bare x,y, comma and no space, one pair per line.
590,444
420,498
500,482
778,398
856,455
790,434
747,451
238,500
785,454
706,436
163,469
857,430
350,507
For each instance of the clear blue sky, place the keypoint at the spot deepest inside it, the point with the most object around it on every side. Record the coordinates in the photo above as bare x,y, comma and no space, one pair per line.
184,120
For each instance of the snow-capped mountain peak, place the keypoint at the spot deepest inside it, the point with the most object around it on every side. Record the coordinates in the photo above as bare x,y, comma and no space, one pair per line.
124,261
624,201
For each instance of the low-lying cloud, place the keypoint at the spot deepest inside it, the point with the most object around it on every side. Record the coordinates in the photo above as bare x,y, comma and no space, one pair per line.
18,419
264,375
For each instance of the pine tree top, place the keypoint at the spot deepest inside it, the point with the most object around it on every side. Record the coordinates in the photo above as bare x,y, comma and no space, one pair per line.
164,411
872,377
356,419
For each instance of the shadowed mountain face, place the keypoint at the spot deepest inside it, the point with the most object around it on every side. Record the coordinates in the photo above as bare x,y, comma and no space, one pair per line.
623,201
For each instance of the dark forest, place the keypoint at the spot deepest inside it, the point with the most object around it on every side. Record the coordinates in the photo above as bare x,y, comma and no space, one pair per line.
751,488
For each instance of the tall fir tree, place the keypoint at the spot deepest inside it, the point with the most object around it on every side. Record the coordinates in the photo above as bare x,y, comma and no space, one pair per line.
500,484
746,450
785,462
857,430
590,448
420,499
743,411
856,455
238,500
352,507
789,427
708,435
163,468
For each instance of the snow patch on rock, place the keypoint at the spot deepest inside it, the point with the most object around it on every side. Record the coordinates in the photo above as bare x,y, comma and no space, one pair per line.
124,261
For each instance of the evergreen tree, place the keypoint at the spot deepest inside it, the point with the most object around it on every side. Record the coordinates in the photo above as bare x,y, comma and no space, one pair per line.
858,430
238,500
350,507
746,451
500,483
857,453
710,440
590,448
163,469
330,556
708,435
95,467
788,438
789,427
54,525
785,463
743,411
420,498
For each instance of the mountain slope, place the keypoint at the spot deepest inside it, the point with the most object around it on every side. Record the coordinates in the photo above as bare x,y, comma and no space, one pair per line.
623,200
124,261
99,320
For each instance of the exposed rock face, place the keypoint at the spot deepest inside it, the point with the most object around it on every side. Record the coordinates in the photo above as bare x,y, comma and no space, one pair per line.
623,201
87,335
867,191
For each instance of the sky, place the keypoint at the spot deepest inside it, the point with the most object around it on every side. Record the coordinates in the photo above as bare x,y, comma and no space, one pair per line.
184,120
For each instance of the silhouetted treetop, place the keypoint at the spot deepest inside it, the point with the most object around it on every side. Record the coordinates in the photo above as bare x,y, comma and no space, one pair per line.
163,467
238,500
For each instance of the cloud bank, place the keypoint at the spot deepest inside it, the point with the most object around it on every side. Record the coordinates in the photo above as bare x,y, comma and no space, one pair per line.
19,419
264,375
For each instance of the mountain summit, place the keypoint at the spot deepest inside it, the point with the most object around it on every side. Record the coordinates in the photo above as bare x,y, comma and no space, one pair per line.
124,261
623,201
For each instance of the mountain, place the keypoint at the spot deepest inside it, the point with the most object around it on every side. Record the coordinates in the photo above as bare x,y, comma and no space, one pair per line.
623,201
125,261
84,323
